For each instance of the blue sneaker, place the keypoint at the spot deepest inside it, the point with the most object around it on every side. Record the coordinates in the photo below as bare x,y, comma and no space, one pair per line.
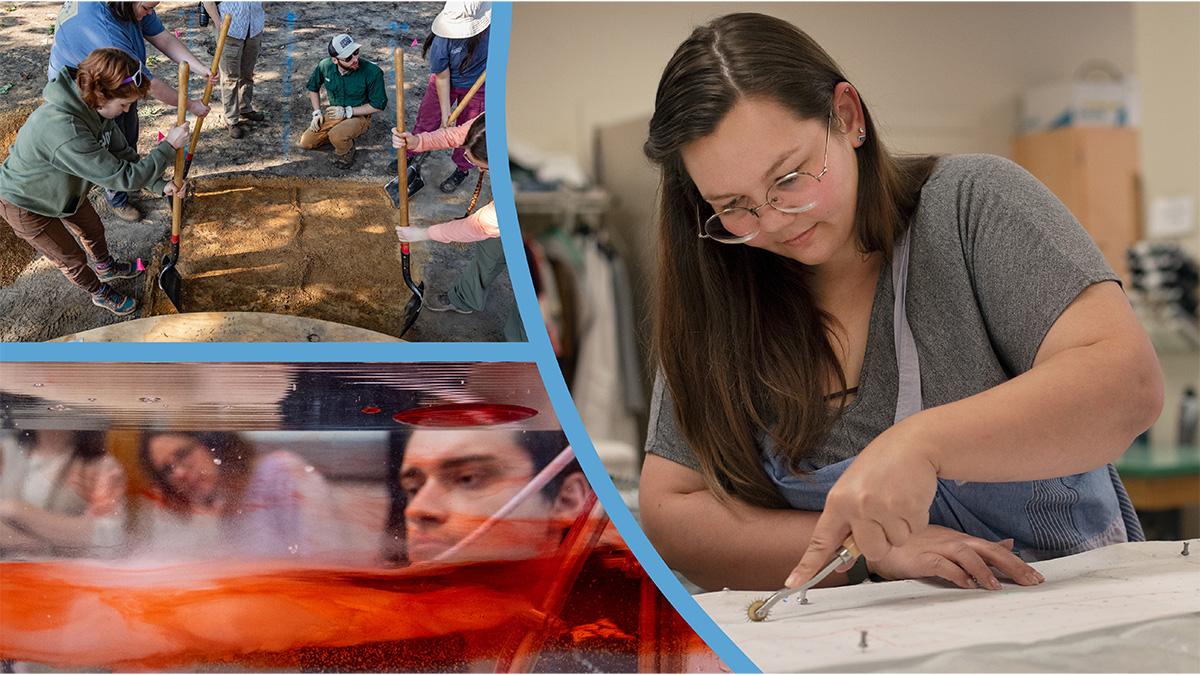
121,305
116,269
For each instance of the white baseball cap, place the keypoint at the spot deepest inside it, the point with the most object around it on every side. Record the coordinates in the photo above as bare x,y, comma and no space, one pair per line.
343,46
463,19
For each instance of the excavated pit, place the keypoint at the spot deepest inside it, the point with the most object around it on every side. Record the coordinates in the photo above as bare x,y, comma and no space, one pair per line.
318,248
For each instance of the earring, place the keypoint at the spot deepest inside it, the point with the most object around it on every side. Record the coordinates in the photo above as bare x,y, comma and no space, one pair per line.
862,134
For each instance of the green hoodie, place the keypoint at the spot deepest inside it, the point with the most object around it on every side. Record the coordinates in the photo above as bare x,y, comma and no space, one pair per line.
66,146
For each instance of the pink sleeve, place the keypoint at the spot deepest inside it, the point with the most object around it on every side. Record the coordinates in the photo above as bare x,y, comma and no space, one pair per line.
442,139
476,227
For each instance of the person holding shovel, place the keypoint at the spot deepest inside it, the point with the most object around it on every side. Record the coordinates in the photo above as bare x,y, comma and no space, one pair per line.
356,91
457,51
83,27
469,293
69,144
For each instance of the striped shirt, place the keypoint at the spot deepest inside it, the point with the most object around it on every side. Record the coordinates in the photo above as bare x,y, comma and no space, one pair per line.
248,18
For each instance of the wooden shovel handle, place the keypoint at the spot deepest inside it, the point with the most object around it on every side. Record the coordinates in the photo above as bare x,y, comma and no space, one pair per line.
180,118
401,153
208,87
462,105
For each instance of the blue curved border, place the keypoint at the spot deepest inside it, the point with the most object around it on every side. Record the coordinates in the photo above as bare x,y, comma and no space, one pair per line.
556,387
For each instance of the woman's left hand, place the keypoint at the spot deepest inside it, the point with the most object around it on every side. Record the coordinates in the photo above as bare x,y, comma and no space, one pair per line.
412,233
882,499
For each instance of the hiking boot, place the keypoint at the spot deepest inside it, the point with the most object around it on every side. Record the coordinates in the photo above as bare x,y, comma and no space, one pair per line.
121,305
127,212
236,130
453,181
441,303
253,116
116,269
345,161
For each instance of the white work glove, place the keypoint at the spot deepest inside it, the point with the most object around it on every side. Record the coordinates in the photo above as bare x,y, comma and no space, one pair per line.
337,112
412,233
317,120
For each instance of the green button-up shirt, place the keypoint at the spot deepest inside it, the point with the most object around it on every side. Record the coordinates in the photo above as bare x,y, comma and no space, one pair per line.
355,88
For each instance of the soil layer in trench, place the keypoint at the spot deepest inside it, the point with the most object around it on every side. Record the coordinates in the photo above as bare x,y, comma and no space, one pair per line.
318,248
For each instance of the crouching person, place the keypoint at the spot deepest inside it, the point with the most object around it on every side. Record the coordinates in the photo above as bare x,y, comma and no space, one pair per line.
355,89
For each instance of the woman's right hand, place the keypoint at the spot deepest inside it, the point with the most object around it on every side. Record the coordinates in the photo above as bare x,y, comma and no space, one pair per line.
958,558
170,190
402,139
178,136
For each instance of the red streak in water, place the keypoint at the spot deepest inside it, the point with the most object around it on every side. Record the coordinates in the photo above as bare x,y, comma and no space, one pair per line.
464,415
371,410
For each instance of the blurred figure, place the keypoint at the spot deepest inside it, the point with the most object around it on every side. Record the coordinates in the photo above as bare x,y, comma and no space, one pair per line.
270,506
446,483
61,494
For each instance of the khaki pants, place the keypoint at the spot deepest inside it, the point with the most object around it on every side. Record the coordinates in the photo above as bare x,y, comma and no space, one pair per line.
50,237
341,133
470,291
237,75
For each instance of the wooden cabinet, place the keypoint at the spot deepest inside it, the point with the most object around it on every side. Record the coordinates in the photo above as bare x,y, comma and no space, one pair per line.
1094,171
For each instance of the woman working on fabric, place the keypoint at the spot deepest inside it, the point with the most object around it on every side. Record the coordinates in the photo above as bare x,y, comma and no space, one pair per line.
67,145
927,353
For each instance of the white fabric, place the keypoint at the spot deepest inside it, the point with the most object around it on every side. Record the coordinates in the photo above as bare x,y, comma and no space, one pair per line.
1119,585
597,389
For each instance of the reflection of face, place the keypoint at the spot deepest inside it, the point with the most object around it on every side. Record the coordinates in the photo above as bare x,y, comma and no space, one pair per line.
114,108
455,479
186,465
758,142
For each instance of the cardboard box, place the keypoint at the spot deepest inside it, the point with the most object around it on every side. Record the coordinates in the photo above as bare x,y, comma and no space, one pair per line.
1095,172
1062,105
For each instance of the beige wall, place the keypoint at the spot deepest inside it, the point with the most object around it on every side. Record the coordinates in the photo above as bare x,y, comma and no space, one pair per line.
1167,59
940,77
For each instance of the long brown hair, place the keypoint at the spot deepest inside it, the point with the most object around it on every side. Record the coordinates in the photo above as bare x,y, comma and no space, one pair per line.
101,77
233,455
741,342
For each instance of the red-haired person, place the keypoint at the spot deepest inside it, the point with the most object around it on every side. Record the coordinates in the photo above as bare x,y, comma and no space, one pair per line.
68,145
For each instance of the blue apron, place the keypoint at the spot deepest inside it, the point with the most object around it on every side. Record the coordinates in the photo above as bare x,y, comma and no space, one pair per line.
1046,518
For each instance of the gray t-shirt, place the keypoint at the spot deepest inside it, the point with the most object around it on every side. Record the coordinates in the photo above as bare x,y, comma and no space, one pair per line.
995,260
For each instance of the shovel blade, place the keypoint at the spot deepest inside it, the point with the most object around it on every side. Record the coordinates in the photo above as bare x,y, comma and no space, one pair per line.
412,309
415,183
171,283
393,192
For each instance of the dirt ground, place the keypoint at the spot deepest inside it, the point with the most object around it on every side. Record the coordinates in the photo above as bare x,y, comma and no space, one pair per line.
353,276
290,246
